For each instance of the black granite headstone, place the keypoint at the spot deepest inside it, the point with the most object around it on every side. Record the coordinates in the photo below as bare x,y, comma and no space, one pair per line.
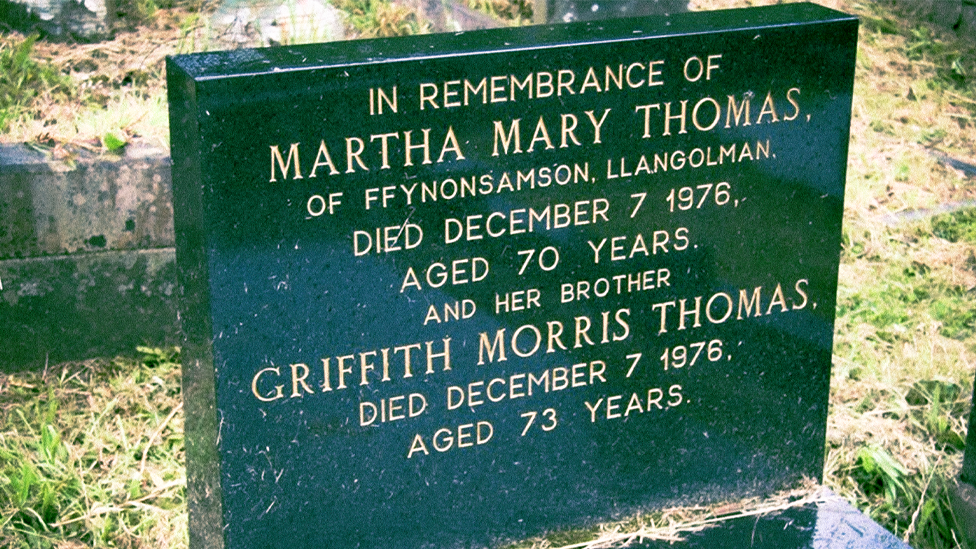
962,493
449,291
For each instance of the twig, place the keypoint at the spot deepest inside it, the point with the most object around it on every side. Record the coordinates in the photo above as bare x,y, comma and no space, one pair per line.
921,501
117,509
960,98
155,435
961,116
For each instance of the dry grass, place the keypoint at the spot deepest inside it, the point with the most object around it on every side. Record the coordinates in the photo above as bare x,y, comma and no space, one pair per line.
91,455
905,353
673,525
118,85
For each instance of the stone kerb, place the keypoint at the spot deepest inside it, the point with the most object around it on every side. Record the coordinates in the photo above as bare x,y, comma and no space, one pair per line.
72,19
86,255
954,15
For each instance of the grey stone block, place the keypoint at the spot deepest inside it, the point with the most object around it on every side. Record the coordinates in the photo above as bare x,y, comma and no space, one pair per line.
74,307
946,13
91,204
967,21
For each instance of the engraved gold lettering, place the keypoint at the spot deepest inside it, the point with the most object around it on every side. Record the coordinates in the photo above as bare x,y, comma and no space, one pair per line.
322,158
612,407
392,409
299,379
707,113
508,140
527,339
525,385
285,165
455,273
747,302
449,438
621,284
278,391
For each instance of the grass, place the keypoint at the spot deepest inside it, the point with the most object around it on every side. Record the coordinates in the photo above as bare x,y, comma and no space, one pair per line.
904,349
100,97
84,95
90,454
24,80
902,381
381,18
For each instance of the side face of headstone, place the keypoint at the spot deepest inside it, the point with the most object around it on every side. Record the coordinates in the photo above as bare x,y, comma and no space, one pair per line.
454,290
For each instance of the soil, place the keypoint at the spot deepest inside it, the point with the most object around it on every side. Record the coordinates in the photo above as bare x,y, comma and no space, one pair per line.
126,70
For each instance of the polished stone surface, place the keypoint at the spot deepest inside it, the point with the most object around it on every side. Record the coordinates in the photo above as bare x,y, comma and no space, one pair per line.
962,493
607,278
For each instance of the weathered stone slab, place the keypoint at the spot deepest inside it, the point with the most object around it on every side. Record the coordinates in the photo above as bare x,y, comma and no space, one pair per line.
87,205
457,290
74,307
87,266
66,19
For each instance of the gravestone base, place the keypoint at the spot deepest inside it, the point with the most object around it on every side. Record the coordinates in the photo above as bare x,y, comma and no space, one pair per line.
828,523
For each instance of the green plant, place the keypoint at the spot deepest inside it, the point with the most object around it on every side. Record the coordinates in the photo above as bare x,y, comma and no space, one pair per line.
378,18
114,140
23,79
878,473
913,505
92,456
959,226
934,405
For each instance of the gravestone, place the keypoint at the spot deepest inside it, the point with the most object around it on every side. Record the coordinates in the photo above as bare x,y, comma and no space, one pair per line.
457,290
962,493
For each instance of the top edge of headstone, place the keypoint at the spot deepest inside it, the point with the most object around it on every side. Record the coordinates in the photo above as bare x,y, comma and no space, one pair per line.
250,62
